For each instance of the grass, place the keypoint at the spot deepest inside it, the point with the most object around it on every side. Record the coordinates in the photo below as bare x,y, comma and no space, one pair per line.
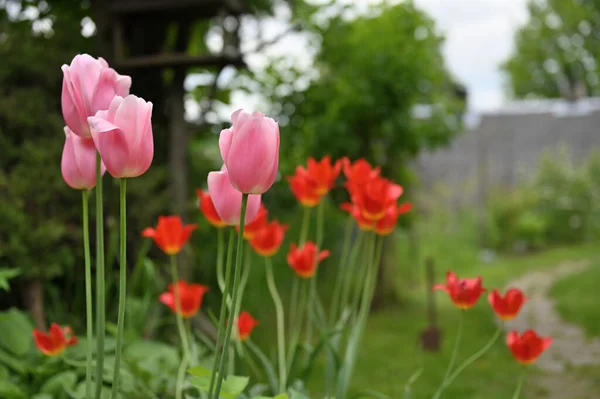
391,352
577,299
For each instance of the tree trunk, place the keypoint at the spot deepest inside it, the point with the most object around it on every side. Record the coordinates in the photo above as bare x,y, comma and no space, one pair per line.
33,297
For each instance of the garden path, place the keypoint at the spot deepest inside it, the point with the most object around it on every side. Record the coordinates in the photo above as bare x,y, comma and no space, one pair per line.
570,347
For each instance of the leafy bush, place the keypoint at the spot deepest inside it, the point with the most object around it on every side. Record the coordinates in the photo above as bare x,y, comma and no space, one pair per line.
558,205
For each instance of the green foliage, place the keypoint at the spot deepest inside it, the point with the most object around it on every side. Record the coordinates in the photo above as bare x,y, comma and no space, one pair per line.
5,275
555,49
575,298
558,205
369,74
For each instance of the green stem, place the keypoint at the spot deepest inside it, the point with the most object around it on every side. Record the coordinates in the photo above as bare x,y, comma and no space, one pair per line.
246,274
520,384
236,282
88,293
473,357
181,378
345,295
193,348
342,271
362,276
280,323
295,333
220,253
361,322
452,357
222,313
122,285
180,327
312,297
296,279
100,304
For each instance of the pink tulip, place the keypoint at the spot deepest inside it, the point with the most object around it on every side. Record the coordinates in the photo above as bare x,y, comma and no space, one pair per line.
250,150
123,136
228,200
78,164
89,85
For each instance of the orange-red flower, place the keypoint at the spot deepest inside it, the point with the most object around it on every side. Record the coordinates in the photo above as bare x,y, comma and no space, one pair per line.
266,241
375,197
463,292
208,209
55,341
304,260
304,188
385,225
256,224
245,324
507,307
354,211
170,234
323,173
528,347
359,172
190,298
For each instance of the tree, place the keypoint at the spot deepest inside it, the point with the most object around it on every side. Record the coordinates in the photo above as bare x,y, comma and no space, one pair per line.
556,50
369,74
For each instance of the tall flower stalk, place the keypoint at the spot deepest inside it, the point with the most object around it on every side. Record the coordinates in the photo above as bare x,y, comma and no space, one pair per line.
100,305
88,293
280,324
236,282
225,303
122,285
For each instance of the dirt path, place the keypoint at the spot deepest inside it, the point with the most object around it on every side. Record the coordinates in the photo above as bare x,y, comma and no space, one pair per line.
570,347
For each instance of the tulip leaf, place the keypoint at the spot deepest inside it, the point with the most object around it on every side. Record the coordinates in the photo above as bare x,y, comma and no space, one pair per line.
8,390
59,383
268,367
232,385
16,332
280,396
369,394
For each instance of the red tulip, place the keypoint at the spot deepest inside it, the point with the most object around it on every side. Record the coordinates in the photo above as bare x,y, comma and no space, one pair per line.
385,225
323,173
266,241
208,209
507,307
354,211
190,298
255,225
55,341
170,234
359,172
304,260
463,292
304,188
245,324
375,197
527,347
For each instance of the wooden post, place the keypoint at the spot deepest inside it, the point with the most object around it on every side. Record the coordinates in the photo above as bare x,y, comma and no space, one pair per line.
430,336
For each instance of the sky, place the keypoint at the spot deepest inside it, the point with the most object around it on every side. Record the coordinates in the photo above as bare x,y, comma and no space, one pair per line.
479,36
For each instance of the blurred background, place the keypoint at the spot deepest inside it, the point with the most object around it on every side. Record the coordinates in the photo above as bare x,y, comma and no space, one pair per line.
486,111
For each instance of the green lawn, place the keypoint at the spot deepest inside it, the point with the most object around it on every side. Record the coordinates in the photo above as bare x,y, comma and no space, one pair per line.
577,299
390,353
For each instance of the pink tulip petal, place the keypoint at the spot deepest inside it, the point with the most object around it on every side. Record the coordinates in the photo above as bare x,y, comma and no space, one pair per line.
228,201
104,90
225,142
122,85
72,106
252,153
111,144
